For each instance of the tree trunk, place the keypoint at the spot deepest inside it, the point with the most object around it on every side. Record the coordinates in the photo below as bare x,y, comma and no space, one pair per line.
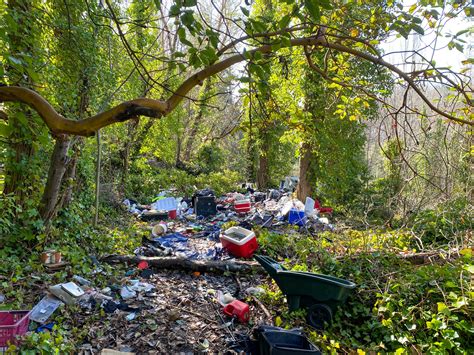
56,172
204,93
263,172
304,188
263,175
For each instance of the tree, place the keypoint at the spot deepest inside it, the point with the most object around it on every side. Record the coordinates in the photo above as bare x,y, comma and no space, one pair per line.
301,25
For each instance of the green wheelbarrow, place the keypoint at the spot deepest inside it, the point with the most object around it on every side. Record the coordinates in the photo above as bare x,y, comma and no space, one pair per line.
318,294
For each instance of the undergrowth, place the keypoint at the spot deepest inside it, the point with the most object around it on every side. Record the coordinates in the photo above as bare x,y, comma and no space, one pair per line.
398,307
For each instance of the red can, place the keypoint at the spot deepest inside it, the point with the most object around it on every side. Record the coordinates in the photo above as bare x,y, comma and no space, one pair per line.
238,309
172,214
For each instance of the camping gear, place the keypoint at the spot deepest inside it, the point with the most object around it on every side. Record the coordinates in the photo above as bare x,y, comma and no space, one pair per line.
319,294
297,217
13,323
205,206
242,206
237,309
239,242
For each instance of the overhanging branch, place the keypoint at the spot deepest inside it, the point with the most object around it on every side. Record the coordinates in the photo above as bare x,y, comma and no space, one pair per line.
158,108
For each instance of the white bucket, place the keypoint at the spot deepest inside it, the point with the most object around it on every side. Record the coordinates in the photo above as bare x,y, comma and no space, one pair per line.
159,229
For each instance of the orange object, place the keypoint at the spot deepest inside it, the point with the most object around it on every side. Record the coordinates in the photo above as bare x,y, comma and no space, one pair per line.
196,273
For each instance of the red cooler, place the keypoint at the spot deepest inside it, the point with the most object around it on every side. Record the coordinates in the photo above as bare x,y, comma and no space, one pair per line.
239,242
242,206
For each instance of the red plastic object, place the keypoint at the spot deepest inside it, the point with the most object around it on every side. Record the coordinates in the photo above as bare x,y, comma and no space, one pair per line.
172,214
142,265
322,210
13,323
239,242
242,206
238,309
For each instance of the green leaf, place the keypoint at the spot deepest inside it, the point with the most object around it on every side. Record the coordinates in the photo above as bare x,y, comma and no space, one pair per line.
187,19
284,22
174,10
182,37
245,11
258,55
313,9
157,4
325,4
189,3
418,29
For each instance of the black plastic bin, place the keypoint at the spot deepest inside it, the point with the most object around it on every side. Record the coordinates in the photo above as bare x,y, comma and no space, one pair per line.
281,342
205,206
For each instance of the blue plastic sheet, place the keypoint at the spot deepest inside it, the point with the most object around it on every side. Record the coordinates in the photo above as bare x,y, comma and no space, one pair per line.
179,244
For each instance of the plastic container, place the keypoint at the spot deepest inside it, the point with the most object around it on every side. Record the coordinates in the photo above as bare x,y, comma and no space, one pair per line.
205,206
242,206
67,292
296,217
239,242
281,342
159,229
12,323
238,309
44,309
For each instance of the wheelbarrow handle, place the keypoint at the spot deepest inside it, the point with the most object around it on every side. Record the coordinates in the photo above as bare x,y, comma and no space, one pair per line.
270,265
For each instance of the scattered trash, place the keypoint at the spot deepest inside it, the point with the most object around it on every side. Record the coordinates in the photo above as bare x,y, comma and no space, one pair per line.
159,229
82,281
126,293
274,340
51,257
131,316
12,323
142,265
44,309
45,327
238,309
239,241
67,292
255,291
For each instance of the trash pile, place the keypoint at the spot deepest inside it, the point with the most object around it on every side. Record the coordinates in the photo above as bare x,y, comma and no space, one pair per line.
166,311
191,228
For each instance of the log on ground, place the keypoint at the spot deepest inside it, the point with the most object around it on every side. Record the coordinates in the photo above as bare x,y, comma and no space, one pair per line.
177,263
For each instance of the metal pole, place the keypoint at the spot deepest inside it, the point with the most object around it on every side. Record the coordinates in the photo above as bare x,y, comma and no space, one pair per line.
97,180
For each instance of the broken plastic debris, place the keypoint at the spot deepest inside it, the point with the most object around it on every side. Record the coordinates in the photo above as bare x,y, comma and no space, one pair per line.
44,309
126,293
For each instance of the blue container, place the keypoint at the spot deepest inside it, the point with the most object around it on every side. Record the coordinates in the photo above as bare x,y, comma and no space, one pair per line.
296,217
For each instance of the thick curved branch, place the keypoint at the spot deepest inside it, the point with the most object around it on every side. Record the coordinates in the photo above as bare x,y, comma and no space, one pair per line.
158,108
87,127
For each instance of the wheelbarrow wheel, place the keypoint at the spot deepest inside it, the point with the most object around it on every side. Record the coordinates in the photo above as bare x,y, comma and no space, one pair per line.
318,315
